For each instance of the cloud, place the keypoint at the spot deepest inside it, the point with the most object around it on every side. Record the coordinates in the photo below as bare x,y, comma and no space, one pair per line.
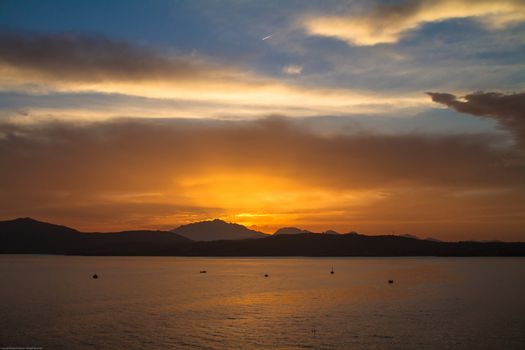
189,170
273,146
388,23
94,58
507,109
47,64
292,69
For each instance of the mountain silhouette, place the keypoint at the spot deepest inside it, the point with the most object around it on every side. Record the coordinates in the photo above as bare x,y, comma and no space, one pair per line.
290,231
331,232
215,230
28,236
31,226
408,235
349,244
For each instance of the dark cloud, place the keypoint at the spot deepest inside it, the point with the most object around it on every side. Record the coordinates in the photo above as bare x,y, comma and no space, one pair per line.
507,109
92,58
141,154
138,170
392,13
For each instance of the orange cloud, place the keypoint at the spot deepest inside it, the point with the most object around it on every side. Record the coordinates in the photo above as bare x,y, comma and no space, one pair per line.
387,24
268,173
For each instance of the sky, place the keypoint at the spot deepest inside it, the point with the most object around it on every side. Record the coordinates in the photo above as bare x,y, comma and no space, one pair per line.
372,116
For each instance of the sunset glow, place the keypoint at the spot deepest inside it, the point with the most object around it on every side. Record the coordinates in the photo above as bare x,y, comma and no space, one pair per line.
375,117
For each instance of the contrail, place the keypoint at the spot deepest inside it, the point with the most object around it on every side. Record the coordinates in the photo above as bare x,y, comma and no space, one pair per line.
267,37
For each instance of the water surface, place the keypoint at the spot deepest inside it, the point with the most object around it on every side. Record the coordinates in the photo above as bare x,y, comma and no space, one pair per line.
156,303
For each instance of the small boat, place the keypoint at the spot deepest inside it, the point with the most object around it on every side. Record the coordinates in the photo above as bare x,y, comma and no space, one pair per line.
390,281
203,271
332,271
266,275
95,276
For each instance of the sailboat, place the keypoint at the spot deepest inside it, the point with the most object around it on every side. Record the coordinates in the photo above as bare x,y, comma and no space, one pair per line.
332,271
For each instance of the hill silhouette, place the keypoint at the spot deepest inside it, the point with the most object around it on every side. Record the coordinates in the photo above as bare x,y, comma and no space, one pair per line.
29,236
215,230
290,231
349,244
26,235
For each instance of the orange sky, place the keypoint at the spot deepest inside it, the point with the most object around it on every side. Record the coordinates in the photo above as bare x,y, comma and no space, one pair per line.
351,116
265,174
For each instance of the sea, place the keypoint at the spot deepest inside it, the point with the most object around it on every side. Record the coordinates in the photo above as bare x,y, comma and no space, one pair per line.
53,302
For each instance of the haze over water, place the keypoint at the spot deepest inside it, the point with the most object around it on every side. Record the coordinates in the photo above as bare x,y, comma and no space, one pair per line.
150,302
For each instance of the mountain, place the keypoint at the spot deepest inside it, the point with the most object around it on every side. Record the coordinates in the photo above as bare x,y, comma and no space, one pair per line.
352,244
26,235
215,230
28,226
290,231
408,235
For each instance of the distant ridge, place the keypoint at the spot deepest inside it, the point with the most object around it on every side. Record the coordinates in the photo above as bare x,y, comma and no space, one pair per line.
28,236
28,225
216,230
331,232
290,231
407,235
